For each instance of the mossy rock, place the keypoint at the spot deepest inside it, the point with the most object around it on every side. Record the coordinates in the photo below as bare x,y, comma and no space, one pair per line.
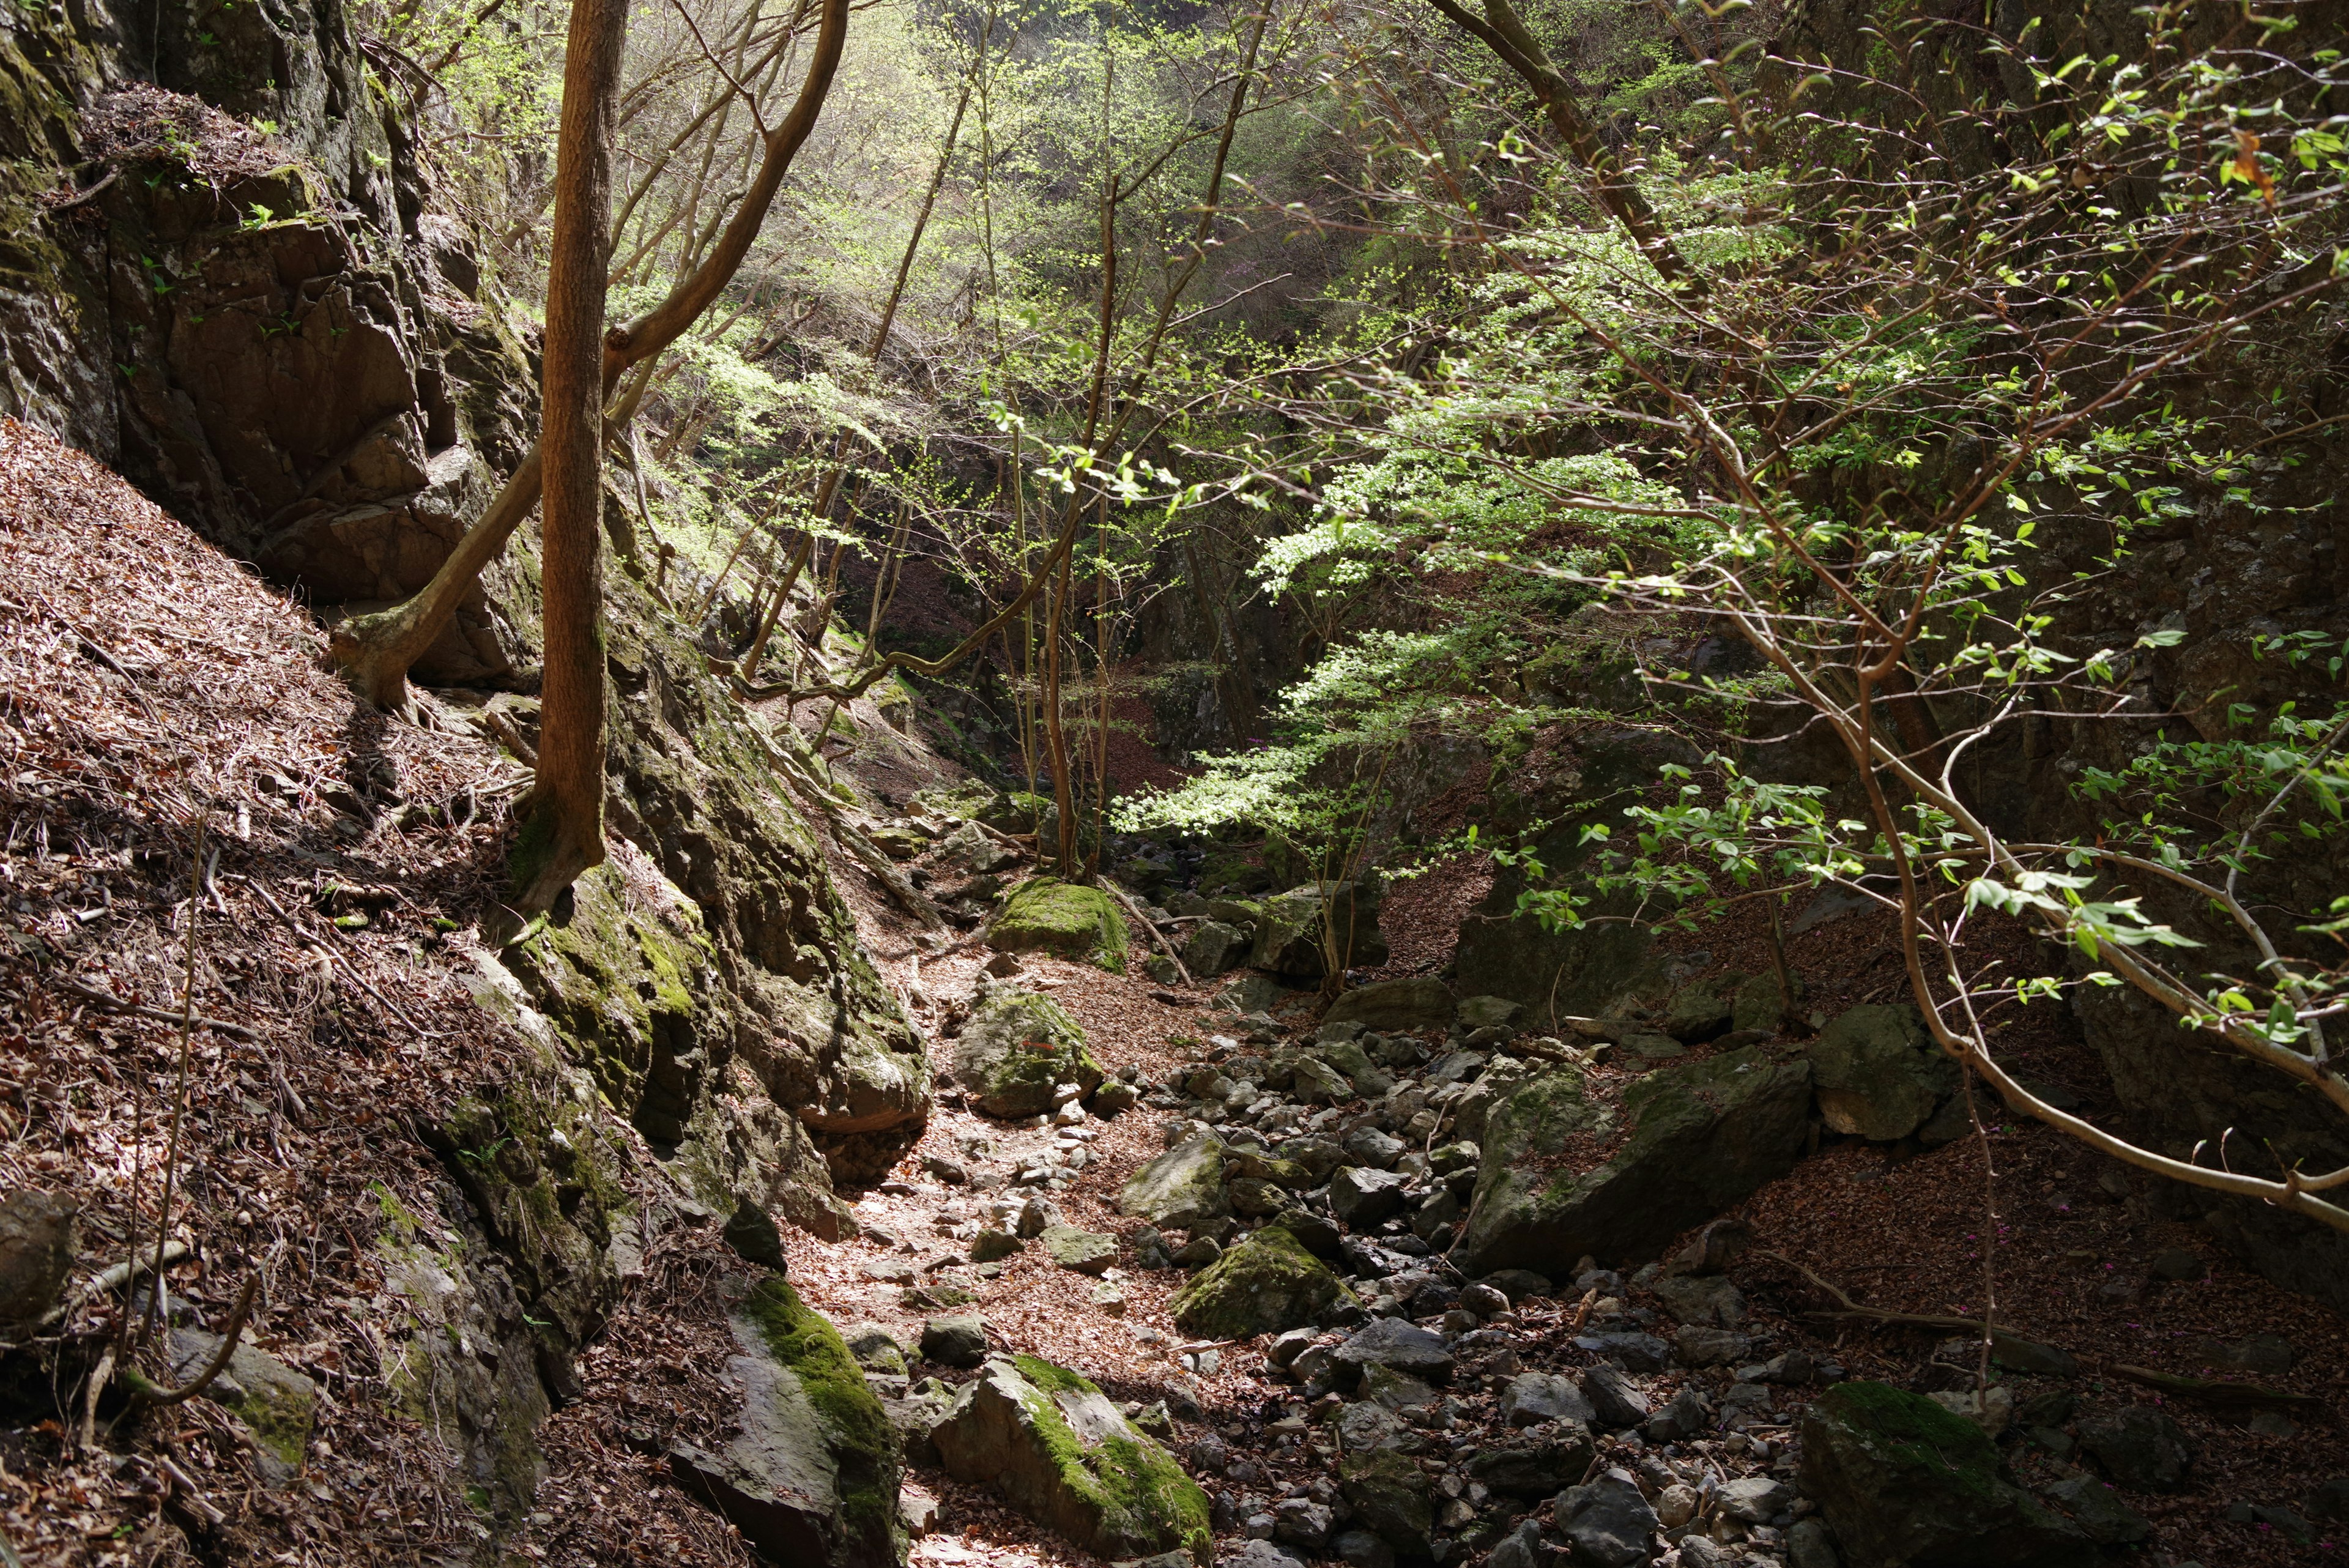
1879,1073
813,1472
1703,1136
1181,1189
277,1405
1061,1453
1019,1051
1901,1478
1043,915
1268,1283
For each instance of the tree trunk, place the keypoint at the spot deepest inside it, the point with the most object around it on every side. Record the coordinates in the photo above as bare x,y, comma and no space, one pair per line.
562,829
375,651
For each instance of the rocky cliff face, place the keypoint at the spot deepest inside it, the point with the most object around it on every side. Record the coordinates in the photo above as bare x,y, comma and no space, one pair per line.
221,274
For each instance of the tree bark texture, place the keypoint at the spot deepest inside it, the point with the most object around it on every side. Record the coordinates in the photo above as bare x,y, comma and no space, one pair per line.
563,833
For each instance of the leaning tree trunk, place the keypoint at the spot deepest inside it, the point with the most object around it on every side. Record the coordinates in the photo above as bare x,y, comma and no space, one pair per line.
375,651
563,828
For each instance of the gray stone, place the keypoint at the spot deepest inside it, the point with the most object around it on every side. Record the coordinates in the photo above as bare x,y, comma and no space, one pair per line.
1900,1479
1198,1253
1606,1522
1632,1351
1388,1005
1317,1082
1701,1299
39,1235
1214,947
1701,1010
2139,1447
1361,1549
277,1405
1017,1051
2098,1511
1374,1149
1114,1098
1302,1522
1086,1252
1395,1390
1291,930
812,1469
1320,1237
1488,1012
1183,1188
1521,1548
954,1341
1808,1546
1703,1137
1754,1499
1361,1198
1533,1397
875,1347
1060,1452
1879,1073
1697,1346
991,1245
1385,1489
1401,1346
1615,1399
1520,1469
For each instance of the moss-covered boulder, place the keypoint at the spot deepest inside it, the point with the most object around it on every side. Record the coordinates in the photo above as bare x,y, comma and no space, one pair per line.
1020,1055
1181,1189
1266,1284
1294,930
277,1405
1061,1453
813,1472
1900,1478
1391,1004
1047,916
1879,1073
1700,1137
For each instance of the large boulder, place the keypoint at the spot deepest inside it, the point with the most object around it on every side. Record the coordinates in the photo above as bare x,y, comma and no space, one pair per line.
1901,1479
38,1236
1075,921
1392,1004
812,1472
1268,1282
1879,1073
1181,1189
1702,1136
277,1405
1021,1054
1292,930
1213,946
1061,1453
1383,1485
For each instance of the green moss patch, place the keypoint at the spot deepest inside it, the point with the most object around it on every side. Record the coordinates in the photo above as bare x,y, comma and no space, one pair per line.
1141,1497
1266,1285
1047,916
862,1443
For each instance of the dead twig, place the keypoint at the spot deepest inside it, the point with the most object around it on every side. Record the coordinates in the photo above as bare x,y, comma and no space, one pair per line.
91,993
1156,938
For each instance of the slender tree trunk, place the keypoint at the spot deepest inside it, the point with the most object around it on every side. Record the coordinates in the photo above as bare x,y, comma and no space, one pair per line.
563,831
375,651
